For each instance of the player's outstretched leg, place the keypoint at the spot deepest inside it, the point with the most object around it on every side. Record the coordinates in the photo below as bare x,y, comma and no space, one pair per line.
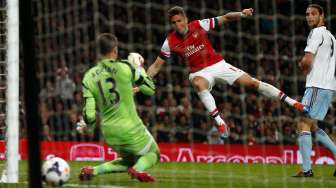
270,91
273,92
118,165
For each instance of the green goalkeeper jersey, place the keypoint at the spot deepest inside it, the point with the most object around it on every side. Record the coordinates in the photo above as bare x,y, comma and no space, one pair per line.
109,86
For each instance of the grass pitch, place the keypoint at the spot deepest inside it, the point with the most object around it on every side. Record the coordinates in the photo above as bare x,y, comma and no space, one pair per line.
187,175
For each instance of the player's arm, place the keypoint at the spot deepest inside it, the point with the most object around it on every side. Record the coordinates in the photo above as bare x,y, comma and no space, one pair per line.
315,40
306,63
88,119
155,68
232,16
165,53
89,111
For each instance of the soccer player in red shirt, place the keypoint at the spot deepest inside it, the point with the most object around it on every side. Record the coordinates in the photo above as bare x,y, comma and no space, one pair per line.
190,41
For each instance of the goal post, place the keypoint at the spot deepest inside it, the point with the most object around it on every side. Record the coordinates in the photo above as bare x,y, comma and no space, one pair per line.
11,171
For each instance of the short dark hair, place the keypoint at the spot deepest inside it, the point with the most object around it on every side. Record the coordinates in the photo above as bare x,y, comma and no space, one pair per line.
106,42
318,7
175,11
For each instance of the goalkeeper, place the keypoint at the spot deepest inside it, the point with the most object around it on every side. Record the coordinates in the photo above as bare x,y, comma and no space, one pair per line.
109,86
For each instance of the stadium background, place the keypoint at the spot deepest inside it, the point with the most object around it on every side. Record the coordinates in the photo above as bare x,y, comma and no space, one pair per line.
267,45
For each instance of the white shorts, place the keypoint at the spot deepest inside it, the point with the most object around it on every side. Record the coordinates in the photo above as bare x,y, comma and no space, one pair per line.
221,71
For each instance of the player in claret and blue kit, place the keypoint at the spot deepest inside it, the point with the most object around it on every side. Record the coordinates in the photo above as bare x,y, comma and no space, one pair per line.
319,65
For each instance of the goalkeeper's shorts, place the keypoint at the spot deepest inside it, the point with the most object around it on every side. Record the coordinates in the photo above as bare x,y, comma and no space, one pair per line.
139,145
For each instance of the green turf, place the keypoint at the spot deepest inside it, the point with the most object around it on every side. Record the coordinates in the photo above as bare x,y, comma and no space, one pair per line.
187,175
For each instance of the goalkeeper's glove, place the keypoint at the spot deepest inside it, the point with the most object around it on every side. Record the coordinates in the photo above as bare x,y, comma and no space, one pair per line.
81,126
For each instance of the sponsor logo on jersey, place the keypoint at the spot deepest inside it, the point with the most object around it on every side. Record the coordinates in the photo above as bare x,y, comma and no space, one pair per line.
190,50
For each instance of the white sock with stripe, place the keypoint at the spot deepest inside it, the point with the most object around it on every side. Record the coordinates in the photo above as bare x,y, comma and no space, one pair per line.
273,92
210,104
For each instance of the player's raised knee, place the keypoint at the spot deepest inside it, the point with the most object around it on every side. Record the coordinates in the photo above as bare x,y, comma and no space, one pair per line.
200,83
304,123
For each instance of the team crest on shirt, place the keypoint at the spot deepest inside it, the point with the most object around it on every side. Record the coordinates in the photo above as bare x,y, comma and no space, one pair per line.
195,34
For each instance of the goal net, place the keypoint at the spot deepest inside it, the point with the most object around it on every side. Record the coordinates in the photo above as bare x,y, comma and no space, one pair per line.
267,45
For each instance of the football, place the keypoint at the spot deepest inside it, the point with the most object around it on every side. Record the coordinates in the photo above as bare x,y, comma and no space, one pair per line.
55,171
135,59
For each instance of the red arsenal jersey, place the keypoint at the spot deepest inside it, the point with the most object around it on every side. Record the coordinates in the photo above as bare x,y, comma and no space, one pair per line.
194,47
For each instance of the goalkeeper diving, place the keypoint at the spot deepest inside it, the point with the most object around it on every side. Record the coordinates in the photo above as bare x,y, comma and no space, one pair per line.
109,86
